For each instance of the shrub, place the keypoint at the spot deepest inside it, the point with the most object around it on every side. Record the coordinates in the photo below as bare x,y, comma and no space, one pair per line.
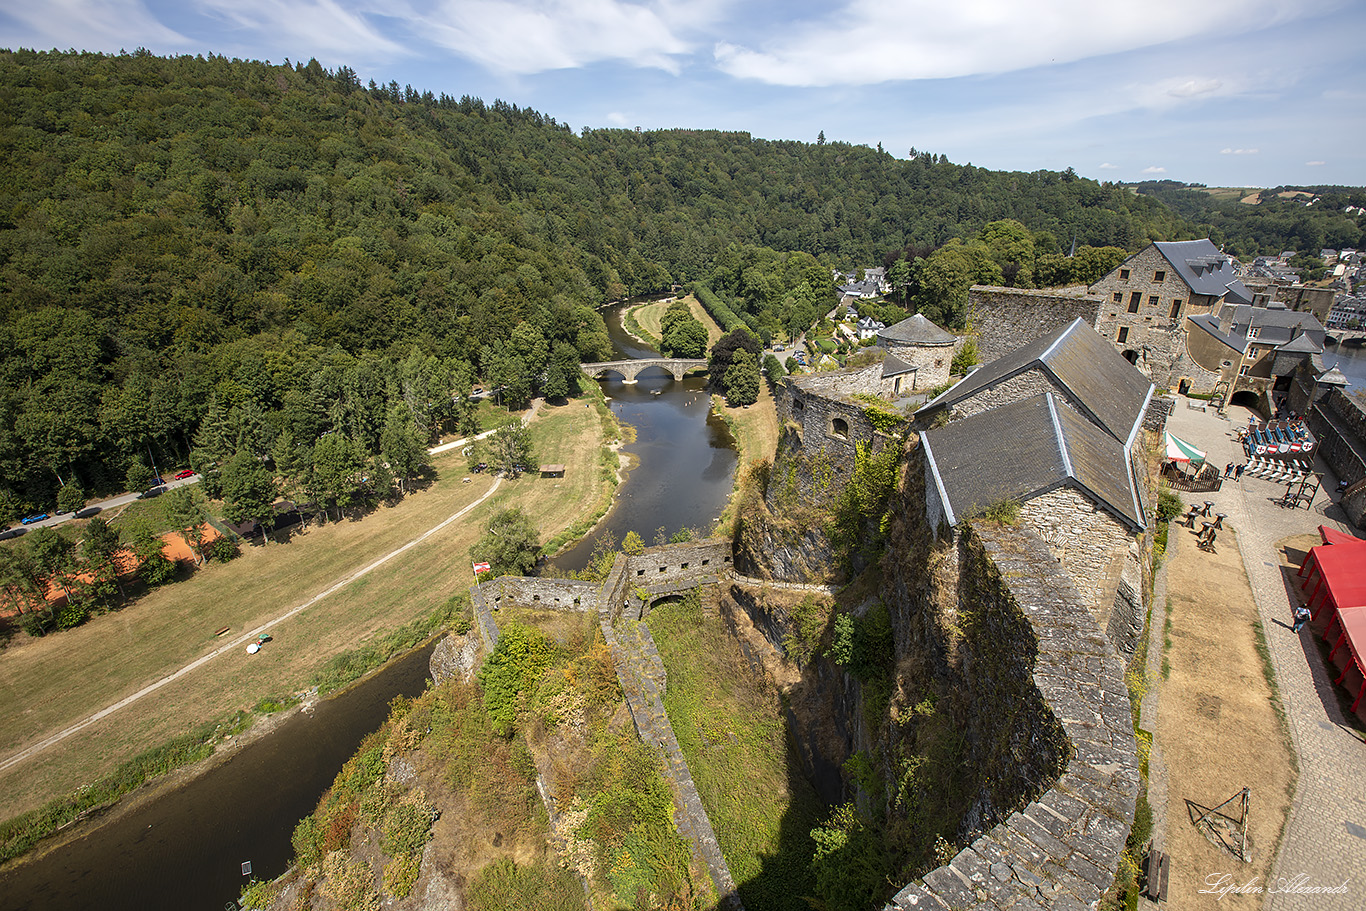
522,655
222,549
1007,512
1168,504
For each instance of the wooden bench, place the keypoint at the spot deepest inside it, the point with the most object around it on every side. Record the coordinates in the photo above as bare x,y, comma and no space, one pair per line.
1158,869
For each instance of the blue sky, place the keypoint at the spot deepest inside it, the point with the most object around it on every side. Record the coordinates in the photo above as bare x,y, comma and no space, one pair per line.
1220,92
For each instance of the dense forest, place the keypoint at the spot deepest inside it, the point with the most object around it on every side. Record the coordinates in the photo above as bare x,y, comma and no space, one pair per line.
203,257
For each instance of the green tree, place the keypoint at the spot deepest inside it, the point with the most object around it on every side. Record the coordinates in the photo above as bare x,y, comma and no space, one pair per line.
248,492
54,558
187,517
154,566
742,380
139,476
632,544
71,498
508,449
510,544
100,547
336,469
402,446
723,352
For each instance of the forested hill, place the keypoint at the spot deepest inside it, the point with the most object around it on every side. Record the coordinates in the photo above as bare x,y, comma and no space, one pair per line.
238,253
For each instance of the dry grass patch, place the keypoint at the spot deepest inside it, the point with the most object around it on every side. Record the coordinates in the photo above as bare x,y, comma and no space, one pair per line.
49,684
714,332
1218,728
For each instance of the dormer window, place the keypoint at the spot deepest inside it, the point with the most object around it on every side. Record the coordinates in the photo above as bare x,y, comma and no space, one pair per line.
1159,276
1252,333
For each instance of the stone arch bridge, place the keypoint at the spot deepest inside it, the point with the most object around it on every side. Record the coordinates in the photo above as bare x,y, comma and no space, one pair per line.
629,370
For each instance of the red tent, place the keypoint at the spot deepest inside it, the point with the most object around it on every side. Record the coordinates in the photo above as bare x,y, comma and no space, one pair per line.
1340,565
1341,571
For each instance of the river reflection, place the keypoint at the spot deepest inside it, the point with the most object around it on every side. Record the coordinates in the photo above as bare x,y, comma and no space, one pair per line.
685,455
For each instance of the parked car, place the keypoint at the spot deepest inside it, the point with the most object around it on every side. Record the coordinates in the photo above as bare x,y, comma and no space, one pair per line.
29,520
182,475
158,481
154,491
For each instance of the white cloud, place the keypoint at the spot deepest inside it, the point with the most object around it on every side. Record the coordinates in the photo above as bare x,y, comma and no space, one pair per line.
1108,167
1315,164
107,25
532,36
1153,169
1239,151
870,41
618,119
320,26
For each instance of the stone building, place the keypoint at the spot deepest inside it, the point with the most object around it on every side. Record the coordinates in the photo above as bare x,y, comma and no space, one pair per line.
1145,301
923,351
1250,352
1051,426
823,408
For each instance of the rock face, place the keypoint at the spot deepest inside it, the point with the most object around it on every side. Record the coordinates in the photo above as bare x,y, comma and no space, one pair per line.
455,656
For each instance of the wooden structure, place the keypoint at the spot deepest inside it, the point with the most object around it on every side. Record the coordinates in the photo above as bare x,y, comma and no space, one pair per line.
552,471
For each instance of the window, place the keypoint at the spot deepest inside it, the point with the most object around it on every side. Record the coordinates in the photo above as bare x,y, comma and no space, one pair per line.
1153,301
1176,309
1123,335
1252,333
839,427
1119,297
1124,275
798,405
640,572
1242,371
1134,300
1159,276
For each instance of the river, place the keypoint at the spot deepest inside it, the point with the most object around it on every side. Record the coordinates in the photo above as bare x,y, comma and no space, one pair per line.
685,454
1351,361
183,849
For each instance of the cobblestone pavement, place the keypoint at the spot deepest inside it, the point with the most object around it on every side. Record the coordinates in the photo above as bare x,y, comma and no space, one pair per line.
1325,841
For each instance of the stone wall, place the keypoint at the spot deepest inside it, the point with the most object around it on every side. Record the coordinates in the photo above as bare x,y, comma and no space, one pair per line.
932,363
1061,850
662,570
1003,319
1090,543
1338,422
1019,387
551,594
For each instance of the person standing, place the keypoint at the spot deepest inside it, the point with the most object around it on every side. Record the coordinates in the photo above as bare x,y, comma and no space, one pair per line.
1302,616
1228,469
1238,472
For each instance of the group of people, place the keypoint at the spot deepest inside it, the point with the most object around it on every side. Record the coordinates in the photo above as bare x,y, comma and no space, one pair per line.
1235,471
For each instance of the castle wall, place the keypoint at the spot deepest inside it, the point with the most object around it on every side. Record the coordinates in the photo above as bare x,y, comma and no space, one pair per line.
932,363
1061,850
829,422
1019,387
1003,319
1338,422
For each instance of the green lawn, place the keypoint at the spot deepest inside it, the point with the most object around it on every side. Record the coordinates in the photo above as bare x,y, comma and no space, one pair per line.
733,733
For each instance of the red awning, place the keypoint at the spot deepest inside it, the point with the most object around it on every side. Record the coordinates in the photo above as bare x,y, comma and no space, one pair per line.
1352,621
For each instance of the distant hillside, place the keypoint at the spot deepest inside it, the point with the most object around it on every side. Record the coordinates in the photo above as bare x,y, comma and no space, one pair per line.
191,237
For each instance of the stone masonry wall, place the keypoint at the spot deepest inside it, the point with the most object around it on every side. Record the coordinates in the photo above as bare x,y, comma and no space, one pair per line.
553,594
1017,388
1003,319
1089,542
1338,422
1133,303
932,363
1060,851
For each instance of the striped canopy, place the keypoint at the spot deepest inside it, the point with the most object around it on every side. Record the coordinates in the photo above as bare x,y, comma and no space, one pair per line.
1178,450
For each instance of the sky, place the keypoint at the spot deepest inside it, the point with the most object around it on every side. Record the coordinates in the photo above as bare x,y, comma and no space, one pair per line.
1256,93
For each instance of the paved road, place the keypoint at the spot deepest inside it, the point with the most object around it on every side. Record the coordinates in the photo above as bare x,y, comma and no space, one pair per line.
93,509
1325,840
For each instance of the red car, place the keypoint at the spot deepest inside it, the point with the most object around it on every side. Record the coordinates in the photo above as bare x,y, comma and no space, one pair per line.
182,475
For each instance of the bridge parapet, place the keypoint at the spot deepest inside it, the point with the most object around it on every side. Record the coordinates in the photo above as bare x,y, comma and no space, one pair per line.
630,369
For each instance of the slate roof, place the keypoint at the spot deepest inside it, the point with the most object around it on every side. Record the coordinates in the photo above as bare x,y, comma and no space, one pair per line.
1200,265
1110,390
1028,448
1274,327
916,330
895,366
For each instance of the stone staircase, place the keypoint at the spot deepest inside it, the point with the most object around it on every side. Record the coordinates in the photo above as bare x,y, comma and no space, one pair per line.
643,678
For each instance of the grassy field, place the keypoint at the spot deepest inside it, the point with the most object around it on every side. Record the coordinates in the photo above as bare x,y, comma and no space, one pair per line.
48,684
733,733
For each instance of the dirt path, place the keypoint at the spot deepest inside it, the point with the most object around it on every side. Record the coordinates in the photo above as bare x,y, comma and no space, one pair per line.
42,745
1216,725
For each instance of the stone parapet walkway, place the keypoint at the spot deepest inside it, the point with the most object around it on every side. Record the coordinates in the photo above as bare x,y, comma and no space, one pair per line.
1325,839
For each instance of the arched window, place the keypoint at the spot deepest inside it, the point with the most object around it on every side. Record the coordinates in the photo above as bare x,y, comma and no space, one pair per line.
839,427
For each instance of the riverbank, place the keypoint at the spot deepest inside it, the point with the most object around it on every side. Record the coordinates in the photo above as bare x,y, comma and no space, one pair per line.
51,683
